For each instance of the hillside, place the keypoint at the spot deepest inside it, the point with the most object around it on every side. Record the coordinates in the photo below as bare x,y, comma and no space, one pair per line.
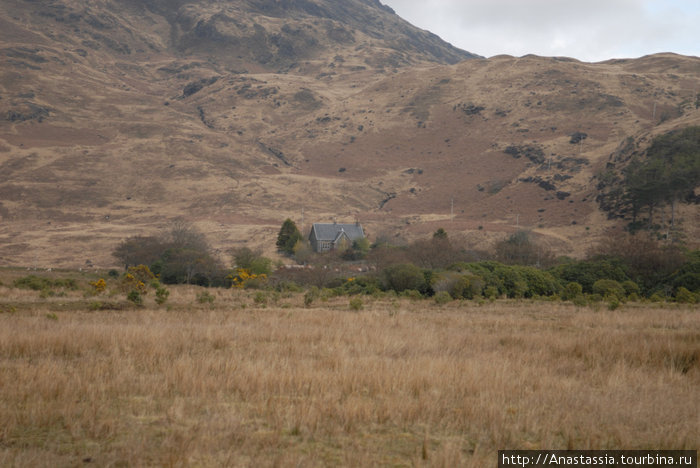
119,117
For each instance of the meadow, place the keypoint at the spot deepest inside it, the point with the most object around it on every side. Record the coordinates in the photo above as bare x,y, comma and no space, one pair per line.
243,379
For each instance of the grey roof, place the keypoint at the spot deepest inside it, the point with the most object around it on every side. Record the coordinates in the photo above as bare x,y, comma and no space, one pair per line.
331,232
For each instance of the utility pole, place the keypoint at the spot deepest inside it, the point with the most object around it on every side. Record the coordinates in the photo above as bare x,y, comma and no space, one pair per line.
452,209
653,114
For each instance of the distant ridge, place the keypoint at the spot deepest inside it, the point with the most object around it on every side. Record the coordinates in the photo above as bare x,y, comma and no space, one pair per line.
117,118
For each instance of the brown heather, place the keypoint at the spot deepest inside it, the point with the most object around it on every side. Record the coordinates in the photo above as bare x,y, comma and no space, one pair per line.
399,383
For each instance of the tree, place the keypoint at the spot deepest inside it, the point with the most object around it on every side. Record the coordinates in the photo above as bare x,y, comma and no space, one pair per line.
587,272
357,251
436,252
303,253
669,173
183,235
139,250
404,277
179,255
288,236
383,255
190,266
646,261
519,249
251,260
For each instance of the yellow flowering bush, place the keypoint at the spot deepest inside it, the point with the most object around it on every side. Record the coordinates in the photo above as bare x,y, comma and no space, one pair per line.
136,279
142,273
132,283
99,286
244,278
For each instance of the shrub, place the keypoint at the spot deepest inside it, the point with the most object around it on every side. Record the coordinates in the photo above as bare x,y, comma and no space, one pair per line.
142,273
484,270
356,303
36,283
571,291
135,297
580,300
33,282
288,287
657,297
244,278
256,282
514,284
368,285
539,283
451,282
99,286
327,293
688,275
609,288
521,250
475,286
460,286
631,288
162,295
491,292
136,279
412,294
251,260
260,298
404,277
205,297
594,298
66,283
688,280
357,251
443,297
685,297
310,296
586,273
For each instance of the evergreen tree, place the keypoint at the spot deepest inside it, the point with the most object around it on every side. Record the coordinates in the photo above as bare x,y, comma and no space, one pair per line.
668,174
288,237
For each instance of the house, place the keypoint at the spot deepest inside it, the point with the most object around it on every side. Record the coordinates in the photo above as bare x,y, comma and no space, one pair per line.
325,237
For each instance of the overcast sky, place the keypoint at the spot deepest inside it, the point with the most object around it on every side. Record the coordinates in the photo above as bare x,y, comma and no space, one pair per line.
591,30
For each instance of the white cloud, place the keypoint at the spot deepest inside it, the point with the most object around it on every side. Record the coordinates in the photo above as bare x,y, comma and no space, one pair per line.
593,30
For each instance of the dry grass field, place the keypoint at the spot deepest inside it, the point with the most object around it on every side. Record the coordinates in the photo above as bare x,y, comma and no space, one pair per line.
398,383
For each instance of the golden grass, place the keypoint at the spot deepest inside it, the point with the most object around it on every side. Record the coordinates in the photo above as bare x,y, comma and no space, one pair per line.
400,383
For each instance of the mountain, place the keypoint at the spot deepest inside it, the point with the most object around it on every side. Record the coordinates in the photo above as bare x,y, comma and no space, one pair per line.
117,117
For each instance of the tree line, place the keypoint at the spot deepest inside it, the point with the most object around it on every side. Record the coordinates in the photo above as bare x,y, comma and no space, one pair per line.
663,176
622,267
669,173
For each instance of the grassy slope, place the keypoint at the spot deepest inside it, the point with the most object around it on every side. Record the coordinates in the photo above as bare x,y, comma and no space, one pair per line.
111,159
